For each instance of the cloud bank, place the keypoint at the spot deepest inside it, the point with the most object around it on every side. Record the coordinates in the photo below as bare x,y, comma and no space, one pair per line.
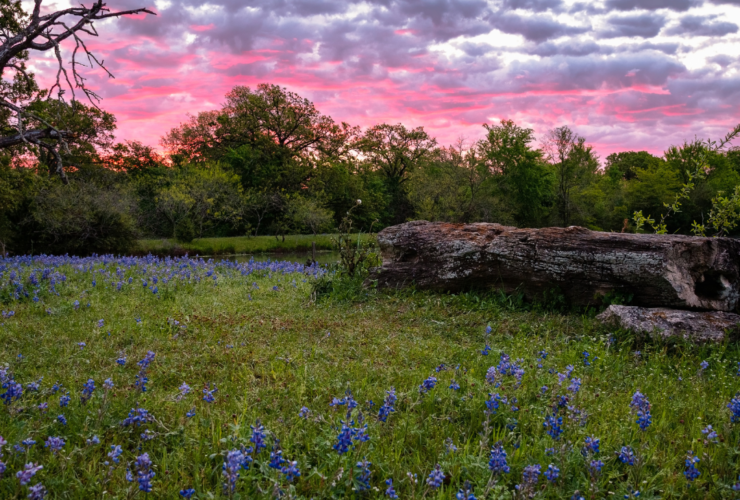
626,74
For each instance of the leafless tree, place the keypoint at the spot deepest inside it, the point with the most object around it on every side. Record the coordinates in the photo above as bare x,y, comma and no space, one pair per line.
22,33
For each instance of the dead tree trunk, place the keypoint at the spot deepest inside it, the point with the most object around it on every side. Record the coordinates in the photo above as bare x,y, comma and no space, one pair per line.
655,270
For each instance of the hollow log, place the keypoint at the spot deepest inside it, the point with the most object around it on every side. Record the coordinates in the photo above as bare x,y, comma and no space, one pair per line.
673,271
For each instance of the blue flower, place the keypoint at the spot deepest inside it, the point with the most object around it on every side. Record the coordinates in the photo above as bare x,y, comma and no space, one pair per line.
491,375
497,463
191,413
454,385
276,457
235,459
27,473
187,493
641,406
575,385
36,492
121,360
734,406
530,476
388,405
363,477
552,473
304,412
703,365
101,323
54,443
592,445
466,492
553,425
62,420
691,471
427,385
108,384
115,453
486,350
344,440
710,433
627,456
87,391
436,477
595,467
390,492
493,403
208,393
291,471
258,436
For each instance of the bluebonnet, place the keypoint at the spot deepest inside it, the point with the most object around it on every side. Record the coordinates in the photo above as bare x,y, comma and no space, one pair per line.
191,413
575,385
258,436
595,467
428,385
553,424
344,440
586,355
54,443
76,304
36,492
627,456
93,440
64,400
530,476
388,405
184,391
562,377
363,478
488,329
208,393
28,472
108,384
234,461
466,492
390,492
137,416
691,471
703,365
552,473
141,378
304,412
28,442
62,420
592,445
34,386
121,360
101,323
450,445
291,471
710,433
641,406
87,391
81,345
493,403
491,375
115,453
187,493
454,385
734,406
486,350
43,407
440,368
436,477
506,367
543,389
144,472
497,463
276,456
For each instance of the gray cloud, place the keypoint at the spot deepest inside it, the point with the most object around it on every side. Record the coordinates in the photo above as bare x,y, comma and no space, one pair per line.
633,25
533,5
537,28
702,26
678,5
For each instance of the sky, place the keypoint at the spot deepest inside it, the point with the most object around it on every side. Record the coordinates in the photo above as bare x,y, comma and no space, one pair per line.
624,74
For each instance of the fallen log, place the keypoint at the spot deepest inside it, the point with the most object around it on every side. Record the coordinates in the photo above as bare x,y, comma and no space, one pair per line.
691,325
654,270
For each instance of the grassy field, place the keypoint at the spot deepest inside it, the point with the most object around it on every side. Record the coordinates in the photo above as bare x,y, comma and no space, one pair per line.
254,348
236,245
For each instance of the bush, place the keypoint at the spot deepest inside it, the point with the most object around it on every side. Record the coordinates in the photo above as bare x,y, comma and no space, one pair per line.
80,218
185,230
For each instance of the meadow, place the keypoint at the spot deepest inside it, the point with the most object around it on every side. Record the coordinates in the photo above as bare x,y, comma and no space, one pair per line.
182,377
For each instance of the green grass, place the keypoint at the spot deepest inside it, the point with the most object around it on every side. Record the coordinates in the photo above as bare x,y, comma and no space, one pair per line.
279,351
236,245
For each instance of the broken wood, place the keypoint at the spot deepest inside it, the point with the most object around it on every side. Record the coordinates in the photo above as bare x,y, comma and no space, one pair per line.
691,325
653,270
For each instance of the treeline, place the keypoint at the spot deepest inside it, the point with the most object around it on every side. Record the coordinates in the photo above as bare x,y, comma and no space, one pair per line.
268,162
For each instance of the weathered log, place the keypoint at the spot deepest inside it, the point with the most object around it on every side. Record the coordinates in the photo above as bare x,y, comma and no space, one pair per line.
691,325
655,270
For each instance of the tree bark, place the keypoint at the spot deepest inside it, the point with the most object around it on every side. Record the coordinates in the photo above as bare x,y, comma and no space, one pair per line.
654,270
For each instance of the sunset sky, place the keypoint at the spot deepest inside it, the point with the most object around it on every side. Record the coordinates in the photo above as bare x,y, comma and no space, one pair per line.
625,74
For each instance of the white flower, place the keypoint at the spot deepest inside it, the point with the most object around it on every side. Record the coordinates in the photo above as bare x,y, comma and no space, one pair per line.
359,202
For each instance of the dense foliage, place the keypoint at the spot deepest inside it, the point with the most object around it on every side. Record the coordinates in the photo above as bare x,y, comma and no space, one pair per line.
166,377
269,163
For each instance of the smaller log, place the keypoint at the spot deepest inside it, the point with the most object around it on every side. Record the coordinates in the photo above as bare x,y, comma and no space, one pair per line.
691,325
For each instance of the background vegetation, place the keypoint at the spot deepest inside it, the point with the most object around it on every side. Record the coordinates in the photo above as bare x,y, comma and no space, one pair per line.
269,163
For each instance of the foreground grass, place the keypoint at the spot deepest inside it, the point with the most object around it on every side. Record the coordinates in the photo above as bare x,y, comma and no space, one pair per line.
237,245
271,352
